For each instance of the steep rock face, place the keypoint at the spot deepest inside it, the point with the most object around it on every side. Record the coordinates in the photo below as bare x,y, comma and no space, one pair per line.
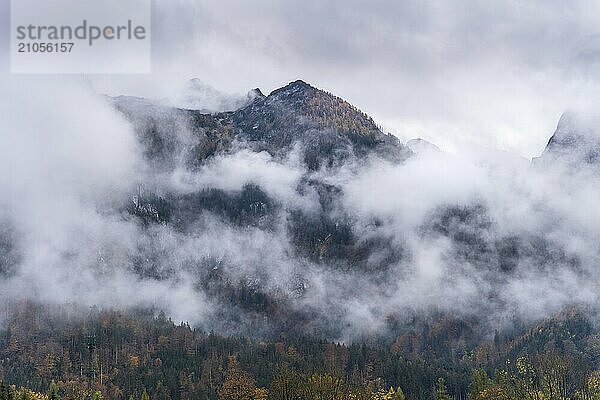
575,143
325,130
250,206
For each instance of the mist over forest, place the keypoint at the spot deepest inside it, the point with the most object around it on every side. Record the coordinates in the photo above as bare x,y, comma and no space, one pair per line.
292,213
311,200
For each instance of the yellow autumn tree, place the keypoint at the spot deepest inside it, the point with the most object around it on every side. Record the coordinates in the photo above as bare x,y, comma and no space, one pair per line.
238,385
493,392
591,390
391,394
324,387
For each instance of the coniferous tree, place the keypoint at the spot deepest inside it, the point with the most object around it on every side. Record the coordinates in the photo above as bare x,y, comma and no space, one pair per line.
440,392
161,393
53,392
479,383
4,391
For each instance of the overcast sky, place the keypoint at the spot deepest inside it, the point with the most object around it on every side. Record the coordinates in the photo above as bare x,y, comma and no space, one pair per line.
495,74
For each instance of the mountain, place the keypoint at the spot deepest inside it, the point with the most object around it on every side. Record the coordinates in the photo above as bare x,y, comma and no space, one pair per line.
422,146
324,128
575,142
327,142
297,123
328,128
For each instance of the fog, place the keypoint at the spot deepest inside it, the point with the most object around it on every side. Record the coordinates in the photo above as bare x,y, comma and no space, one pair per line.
67,158
480,233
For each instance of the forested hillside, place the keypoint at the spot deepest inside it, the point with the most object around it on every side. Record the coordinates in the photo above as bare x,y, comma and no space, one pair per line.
120,356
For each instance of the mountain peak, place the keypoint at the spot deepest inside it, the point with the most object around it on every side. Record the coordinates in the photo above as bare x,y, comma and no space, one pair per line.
295,87
327,127
422,146
300,84
299,103
575,142
255,93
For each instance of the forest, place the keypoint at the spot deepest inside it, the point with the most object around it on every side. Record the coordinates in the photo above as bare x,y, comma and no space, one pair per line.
57,353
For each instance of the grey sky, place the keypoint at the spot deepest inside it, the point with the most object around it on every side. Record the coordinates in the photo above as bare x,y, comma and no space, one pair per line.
494,74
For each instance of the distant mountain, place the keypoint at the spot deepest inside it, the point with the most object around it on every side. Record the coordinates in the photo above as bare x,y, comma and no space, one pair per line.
421,146
575,142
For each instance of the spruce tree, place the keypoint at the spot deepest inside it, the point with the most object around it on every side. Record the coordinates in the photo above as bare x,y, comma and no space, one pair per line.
440,391
4,391
479,383
53,392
